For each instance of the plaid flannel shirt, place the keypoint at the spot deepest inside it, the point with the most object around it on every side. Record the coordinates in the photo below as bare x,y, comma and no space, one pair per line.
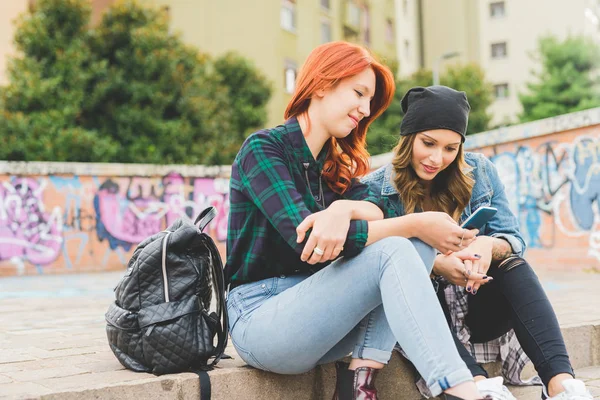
275,184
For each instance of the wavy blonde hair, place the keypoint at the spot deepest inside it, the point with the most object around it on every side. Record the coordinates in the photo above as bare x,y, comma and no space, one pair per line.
451,188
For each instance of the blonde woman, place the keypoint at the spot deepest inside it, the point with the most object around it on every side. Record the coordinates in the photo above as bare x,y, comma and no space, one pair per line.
490,290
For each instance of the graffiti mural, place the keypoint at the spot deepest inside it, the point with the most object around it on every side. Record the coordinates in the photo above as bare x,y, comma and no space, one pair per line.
53,223
28,232
554,189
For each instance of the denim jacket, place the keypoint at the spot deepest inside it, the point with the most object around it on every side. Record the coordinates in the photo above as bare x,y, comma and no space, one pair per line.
487,191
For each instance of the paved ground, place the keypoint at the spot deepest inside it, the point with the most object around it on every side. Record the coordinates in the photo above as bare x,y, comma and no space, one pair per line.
52,332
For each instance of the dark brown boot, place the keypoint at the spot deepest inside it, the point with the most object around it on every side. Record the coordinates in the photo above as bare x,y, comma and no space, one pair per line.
354,385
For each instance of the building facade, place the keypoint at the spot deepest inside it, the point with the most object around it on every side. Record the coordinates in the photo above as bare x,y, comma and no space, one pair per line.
278,35
9,12
501,36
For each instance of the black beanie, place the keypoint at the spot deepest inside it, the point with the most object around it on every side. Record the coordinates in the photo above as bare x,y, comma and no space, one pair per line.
434,107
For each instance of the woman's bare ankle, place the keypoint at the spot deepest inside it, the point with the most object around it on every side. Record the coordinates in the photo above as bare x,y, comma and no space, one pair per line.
555,385
466,391
359,362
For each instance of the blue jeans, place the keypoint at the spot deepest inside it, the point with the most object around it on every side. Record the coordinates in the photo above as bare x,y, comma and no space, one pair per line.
361,305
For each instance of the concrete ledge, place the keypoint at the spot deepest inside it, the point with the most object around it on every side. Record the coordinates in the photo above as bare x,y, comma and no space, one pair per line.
111,169
233,381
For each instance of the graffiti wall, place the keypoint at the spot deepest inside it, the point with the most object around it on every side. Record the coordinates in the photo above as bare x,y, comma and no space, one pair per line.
70,217
70,223
553,185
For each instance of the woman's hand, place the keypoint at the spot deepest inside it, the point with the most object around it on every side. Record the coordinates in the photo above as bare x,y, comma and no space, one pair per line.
329,231
441,232
452,267
482,246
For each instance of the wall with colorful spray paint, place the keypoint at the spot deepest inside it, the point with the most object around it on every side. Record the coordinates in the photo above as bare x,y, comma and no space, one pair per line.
551,171
552,180
71,217
60,217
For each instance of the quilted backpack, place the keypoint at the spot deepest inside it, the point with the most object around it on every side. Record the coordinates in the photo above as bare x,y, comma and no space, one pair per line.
161,321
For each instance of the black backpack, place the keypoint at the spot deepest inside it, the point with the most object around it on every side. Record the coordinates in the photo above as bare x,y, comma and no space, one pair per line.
160,321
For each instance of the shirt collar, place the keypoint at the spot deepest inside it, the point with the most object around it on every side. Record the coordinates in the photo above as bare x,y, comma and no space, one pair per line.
388,188
298,142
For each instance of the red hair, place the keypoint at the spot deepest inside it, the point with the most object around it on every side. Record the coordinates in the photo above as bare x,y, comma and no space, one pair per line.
325,66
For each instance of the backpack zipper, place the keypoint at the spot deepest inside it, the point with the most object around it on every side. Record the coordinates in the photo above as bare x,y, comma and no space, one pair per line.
164,267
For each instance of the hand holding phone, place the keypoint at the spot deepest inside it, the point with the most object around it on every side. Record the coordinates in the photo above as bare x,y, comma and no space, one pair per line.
479,218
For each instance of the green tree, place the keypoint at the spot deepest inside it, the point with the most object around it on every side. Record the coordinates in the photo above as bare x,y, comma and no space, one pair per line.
126,91
248,92
566,81
43,102
384,132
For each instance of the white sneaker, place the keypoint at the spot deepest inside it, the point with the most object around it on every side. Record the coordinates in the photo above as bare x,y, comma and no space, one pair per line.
574,390
494,387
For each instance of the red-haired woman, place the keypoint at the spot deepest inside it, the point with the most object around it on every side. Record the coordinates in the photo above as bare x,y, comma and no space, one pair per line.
315,273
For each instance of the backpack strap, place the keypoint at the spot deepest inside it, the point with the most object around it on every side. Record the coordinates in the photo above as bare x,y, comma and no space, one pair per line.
205,388
205,217
219,282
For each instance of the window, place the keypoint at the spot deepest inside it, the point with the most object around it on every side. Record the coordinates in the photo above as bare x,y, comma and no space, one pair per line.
290,76
499,50
288,15
389,31
353,17
501,91
497,9
325,4
366,25
325,31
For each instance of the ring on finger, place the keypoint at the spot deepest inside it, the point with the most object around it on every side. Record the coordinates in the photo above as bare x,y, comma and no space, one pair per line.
318,251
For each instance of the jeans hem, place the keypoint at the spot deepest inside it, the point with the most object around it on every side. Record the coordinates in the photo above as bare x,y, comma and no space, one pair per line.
367,353
549,370
455,378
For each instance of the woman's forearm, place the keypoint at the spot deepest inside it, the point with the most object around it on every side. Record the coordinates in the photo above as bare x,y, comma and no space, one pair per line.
399,226
358,209
501,249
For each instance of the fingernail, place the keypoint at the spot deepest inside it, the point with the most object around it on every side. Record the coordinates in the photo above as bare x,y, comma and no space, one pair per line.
474,291
476,256
485,277
490,278
468,288
468,272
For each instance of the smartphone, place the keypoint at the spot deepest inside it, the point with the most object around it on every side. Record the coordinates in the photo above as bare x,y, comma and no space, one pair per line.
479,218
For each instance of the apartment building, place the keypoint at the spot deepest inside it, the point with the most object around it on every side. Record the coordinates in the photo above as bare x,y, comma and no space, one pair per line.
277,35
408,36
501,36
9,12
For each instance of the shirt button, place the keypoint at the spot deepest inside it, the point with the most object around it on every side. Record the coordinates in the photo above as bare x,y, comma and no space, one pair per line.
282,276
263,286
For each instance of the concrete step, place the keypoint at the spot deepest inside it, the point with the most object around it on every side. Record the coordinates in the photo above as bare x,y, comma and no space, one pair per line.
233,380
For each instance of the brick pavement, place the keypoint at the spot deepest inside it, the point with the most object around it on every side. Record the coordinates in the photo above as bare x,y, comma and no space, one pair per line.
52,335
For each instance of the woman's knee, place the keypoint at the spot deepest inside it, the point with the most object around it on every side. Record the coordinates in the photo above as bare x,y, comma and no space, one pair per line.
394,245
426,252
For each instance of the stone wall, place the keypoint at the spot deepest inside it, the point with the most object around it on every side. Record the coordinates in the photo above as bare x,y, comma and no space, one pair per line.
71,217
551,171
75,217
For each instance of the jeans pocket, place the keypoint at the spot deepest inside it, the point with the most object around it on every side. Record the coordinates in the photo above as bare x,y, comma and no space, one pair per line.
250,296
